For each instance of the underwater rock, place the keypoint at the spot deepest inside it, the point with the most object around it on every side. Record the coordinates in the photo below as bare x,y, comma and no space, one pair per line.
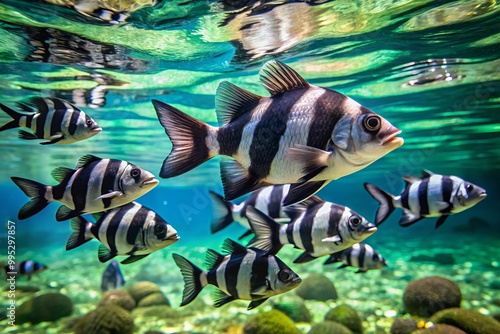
294,308
403,326
274,321
106,319
156,311
426,296
441,258
316,287
142,289
347,316
329,327
440,329
49,306
157,298
119,297
468,321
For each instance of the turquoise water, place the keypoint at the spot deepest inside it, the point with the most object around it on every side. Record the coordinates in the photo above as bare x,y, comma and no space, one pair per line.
430,68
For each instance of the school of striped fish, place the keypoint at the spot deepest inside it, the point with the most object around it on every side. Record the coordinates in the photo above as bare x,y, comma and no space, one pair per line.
281,150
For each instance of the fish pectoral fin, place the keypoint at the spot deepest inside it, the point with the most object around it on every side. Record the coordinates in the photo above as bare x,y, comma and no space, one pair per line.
65,213
256,303
409,218
301,191
133,258
260,291
27,135
113,194
304,257
57,136
236,180
220,298
53,141
278,78
441,220
104,254
314,160
334,238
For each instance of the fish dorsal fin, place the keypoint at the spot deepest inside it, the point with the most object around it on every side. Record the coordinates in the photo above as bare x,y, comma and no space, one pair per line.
60,173
232,101
232,247
426,174
213,259
410,179
86,160
34,105
278,78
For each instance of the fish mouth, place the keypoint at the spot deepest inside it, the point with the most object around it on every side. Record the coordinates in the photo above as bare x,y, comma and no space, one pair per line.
96,130
393,140
150,181
296,281
174,237
482,195
371,230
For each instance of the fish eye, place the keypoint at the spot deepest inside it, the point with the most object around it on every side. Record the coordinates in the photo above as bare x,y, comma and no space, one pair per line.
354,220
89,122
469,188
285,275
372,123
135,172
159,229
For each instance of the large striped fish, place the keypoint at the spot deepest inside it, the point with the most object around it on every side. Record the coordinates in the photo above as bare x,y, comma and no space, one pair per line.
243,273
361,256
269,200
324,228
26,268
431,195
52,119
95,185
301,134
131,229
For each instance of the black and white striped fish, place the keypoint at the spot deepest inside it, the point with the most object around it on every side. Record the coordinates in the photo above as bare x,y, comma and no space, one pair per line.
243,273
324,228
112,277
95,185
26,268
301,134
52,119
361,256
269,200
131,229
431,195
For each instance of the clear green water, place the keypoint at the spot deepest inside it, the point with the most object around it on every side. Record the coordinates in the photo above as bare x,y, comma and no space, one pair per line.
429,67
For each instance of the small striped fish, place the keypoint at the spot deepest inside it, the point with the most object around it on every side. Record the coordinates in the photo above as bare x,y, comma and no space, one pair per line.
431,195
112,277
323,229
269,200
302,135
95,185
244,273
26,268
131,229
361,256
52,119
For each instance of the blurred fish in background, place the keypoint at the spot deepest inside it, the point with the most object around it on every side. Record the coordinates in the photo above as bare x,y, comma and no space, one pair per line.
112,277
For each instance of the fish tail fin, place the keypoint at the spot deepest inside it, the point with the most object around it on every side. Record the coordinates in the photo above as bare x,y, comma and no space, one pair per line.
194,278
12,113
80,226
266,231
36,192
222,212
188,136
385,199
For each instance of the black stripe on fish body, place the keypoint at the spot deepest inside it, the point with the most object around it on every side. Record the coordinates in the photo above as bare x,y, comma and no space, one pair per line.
446,191
289,233
109,180
346,256
80,186
422,197
60,110
137,225
231,274
274,205
114,224
361,256
327,113
268,132
22,267
29,120
229,136
260,268
73,121
40,124
405,198
336,212
306,227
